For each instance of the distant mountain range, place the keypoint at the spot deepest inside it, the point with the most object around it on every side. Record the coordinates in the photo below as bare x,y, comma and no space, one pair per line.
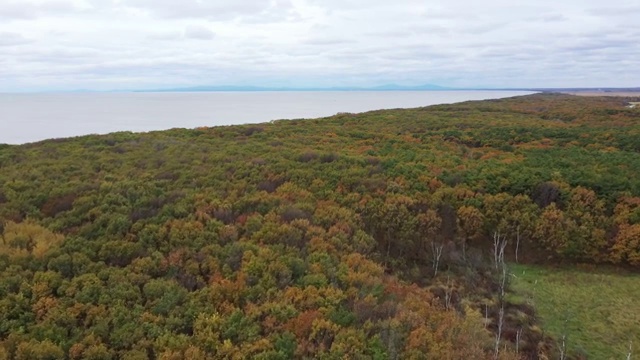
388,87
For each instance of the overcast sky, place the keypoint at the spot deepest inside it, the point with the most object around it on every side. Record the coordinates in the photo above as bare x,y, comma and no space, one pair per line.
136,44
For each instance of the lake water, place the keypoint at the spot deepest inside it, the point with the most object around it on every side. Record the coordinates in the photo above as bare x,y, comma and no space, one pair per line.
32,117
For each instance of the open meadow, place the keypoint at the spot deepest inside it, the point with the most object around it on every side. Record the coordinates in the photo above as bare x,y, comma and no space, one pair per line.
596,309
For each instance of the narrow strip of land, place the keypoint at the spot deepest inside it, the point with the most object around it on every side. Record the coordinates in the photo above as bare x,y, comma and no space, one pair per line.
604,93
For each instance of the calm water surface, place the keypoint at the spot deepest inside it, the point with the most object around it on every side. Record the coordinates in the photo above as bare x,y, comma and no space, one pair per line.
32,117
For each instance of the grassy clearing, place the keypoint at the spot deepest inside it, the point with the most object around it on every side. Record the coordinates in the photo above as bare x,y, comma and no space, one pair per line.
598,310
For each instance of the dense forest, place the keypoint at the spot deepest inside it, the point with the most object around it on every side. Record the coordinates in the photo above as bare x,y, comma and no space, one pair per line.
381,235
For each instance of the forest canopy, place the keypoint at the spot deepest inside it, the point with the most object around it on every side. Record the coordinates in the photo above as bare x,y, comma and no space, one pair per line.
369,235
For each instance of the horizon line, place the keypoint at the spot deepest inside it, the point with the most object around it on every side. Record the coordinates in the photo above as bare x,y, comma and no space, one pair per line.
379,88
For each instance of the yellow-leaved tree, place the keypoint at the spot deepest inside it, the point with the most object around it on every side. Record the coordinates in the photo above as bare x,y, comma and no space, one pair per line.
27,239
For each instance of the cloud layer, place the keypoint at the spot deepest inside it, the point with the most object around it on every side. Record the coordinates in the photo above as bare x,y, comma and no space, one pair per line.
134,44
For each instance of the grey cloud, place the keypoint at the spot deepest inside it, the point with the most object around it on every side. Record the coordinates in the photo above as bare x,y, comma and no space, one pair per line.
547,18
411,30
16,10
58,6
480,29
280,12
213,10
118,43
54,56
333,6
327,41
615,11
198,32
584,46
12,39
165,36
25,10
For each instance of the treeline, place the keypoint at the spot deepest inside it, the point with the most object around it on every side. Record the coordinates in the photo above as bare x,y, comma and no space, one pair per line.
354,236
559,223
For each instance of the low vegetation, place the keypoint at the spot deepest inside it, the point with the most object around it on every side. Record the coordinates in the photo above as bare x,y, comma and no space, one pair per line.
596,310
377,235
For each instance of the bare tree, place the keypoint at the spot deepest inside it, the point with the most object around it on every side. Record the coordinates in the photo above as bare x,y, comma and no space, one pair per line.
563,344
517,241
630,350
518,338
486,315
499,333
496,242
563,347
447,295
499,244
503,285
437,254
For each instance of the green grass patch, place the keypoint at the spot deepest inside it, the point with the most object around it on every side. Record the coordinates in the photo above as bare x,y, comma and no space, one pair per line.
597,309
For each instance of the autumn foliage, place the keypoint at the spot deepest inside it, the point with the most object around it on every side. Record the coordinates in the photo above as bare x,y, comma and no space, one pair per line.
349,237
